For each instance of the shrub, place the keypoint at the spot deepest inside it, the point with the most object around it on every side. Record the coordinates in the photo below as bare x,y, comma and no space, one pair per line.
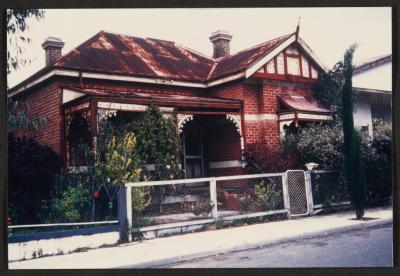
203,208
268,196
245,202
319,143
73,205
377,156
158,143
32,170
259,160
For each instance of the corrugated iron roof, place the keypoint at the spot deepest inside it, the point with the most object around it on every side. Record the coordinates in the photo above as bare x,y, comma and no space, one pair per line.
243,59
371,63
301,103
145,57
154,58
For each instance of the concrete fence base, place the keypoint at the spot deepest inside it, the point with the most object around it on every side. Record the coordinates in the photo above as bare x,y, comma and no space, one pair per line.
24,247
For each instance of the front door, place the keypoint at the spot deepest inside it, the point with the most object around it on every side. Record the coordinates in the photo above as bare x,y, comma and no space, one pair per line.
193,152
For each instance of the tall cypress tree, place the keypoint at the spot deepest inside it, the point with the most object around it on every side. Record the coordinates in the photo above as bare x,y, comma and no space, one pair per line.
353,168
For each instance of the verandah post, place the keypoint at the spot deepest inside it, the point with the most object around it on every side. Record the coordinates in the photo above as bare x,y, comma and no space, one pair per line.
125,213
286,202
213,198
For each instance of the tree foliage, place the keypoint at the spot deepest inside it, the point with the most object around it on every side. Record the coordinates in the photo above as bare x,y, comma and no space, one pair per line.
158,142
17,39
17,25
352,163
329,89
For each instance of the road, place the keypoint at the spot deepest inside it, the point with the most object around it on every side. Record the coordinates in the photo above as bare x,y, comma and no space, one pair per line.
370,247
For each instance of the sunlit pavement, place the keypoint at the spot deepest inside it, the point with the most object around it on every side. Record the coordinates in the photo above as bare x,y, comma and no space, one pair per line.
164,251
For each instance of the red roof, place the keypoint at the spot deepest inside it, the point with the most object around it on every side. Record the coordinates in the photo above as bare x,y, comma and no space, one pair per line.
155,58
301,103
243,59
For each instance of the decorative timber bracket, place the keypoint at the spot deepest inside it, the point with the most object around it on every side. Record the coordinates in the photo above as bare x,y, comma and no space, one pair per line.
182,120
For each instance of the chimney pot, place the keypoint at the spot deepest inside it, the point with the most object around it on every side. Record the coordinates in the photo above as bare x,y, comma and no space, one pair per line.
220,40
52,47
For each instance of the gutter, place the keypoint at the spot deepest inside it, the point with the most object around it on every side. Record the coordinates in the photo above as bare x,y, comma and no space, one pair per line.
90,75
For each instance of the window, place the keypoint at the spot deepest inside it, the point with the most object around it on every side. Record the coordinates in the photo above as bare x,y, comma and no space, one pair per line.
293,66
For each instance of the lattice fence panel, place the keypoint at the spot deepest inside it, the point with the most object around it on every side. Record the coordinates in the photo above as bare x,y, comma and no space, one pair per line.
297,192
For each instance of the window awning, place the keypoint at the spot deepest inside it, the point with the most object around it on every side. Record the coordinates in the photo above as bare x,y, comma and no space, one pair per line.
302,108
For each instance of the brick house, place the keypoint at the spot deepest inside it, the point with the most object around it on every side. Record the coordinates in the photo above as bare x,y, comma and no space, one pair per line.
224,104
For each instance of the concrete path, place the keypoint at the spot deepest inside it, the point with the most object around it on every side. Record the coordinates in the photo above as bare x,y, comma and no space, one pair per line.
163,251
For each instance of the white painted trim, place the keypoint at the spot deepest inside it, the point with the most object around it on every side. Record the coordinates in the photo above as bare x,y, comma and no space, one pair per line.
43,78
142,80
197,180
251,70
313,116
225,164
229,78
70,95
260,117
130,107
286,116
312,54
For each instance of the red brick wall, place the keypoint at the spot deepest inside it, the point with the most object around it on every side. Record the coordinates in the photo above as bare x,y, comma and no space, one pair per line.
227,171
44,101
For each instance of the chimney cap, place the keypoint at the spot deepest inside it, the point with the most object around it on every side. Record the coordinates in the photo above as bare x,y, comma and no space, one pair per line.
52,41
220,34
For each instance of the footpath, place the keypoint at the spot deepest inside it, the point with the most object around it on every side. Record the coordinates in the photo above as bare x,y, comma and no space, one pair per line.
168,250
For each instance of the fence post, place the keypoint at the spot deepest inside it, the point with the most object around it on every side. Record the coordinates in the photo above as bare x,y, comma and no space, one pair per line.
309,195
125,213
286,201
213,198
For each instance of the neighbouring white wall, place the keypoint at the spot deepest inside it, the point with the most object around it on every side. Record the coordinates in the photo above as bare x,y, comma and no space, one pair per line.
379,78
362,113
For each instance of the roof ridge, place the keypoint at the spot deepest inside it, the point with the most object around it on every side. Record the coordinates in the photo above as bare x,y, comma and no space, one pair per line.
255,46
195,51
79,45
371,60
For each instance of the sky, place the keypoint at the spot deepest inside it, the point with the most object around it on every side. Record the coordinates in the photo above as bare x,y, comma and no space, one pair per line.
328,31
